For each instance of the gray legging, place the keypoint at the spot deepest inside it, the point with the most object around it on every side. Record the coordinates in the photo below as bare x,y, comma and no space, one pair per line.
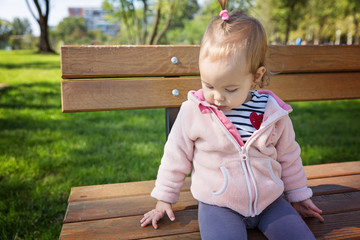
278,221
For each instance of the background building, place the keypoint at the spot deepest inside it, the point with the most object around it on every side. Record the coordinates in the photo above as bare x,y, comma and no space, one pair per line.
95,19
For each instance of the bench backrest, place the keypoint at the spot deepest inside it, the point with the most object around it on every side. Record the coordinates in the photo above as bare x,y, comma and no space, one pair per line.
97,78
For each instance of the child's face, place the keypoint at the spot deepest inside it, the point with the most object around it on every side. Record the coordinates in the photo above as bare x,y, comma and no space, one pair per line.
225,83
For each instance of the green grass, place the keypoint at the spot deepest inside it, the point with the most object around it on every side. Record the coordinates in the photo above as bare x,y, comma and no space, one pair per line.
43,152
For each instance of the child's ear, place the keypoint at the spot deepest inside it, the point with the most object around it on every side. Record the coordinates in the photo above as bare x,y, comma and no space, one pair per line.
259,74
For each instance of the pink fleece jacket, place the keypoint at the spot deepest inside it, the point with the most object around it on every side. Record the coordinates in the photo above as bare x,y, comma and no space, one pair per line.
226,172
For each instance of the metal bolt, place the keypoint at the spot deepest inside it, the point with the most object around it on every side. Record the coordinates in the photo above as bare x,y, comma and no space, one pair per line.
175,92
174,60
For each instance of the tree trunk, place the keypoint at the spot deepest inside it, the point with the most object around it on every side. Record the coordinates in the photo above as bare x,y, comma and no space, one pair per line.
126,23
145,23
44,44
289,23
287,31
356,26
167,24
156,24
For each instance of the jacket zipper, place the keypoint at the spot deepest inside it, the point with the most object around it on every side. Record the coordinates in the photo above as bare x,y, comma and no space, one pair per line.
249,176
244,164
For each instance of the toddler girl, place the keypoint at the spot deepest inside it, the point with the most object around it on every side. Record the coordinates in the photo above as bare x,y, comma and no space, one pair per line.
238,144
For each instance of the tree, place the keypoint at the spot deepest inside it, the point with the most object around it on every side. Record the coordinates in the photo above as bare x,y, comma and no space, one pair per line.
42,19
20,27
147,22
287,13
5,32
353,9
70,29
73,30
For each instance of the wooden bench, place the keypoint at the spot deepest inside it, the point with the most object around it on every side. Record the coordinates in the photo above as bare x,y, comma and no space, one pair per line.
129,77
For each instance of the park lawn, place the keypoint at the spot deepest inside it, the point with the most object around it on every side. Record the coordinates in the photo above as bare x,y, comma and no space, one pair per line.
43,152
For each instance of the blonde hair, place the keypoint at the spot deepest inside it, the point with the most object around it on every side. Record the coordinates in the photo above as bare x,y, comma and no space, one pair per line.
225,39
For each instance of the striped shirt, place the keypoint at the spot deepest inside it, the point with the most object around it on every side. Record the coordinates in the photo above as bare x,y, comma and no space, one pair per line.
247,118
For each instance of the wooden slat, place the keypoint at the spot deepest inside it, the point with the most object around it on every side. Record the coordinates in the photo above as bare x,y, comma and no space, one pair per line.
129,227
332,169
97,95
298,59
104,206
125,94
316,86
338,203
334,185
121,207
138,205
122,61
107,191
337,226
115,190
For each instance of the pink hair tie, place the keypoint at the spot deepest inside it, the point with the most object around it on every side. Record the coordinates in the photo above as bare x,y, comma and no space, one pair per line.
223,14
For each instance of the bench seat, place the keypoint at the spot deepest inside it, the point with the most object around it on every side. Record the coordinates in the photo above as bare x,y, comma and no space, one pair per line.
113,211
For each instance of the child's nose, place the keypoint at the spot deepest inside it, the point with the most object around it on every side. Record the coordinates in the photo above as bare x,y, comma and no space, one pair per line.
218,96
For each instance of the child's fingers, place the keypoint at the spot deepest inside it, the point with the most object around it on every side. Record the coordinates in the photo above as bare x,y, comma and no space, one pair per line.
170,214
145,221
318,216
155,219
148,217
315,208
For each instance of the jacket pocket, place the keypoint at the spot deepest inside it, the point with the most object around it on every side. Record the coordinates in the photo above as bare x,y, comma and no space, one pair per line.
273,175
225,183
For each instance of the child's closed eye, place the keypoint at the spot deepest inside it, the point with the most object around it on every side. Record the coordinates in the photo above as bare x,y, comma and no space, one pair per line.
232,90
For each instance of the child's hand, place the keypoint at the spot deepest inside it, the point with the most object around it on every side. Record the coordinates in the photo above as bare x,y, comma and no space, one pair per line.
307,208
156,214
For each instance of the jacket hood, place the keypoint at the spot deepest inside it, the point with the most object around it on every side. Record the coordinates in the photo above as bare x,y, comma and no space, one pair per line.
275,109
198,96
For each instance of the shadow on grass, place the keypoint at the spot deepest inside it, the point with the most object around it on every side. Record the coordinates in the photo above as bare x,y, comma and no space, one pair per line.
40,95
31,65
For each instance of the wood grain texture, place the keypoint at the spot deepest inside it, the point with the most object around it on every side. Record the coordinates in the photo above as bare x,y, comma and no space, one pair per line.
336,226
115,190
300,59
315,174
124,61
99,95
125,94
138,205
129,227
113,211
344,225
332,169
121,207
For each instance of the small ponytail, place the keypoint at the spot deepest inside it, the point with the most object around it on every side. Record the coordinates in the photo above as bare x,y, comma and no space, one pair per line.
224,13
222,4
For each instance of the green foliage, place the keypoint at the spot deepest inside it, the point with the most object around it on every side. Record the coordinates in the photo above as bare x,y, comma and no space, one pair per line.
150,21
316,22
16,34
20,27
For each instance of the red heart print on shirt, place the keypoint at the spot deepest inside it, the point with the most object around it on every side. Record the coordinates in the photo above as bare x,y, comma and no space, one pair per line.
256,119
